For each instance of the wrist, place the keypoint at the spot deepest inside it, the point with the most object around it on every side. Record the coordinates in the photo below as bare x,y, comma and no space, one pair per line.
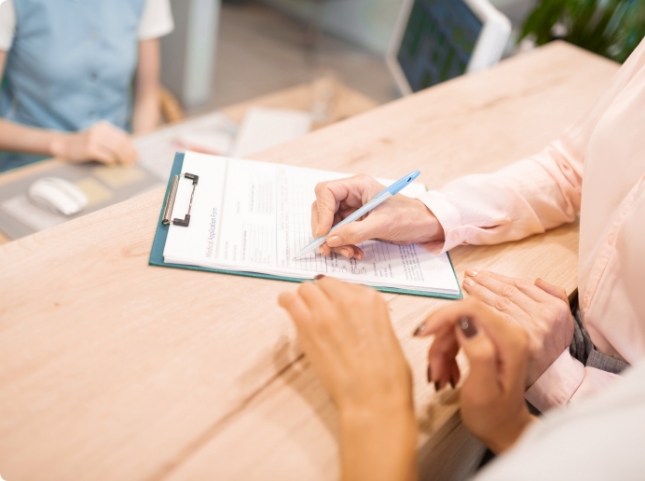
370,415
58,144
426,224
377,444
393,403
505,440
399,427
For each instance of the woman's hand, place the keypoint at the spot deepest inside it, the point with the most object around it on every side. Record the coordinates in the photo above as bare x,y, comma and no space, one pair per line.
345,332
492,396
542,309
104,143
399,220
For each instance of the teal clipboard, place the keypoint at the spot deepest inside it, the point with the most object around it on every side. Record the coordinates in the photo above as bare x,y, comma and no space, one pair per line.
161,234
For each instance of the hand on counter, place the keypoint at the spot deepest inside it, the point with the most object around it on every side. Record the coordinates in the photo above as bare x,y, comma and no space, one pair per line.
345,332
542,309
492,396
399,220
103,143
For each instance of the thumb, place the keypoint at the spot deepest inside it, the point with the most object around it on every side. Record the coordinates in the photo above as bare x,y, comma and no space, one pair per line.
555,291
354,233
323,210
483,381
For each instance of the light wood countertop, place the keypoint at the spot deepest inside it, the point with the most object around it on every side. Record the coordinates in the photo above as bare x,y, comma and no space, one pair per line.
115,370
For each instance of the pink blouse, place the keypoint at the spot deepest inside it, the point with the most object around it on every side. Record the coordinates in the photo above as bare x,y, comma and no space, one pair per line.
606,148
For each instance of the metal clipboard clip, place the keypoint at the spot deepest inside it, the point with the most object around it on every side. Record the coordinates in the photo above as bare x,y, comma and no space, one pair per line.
170,202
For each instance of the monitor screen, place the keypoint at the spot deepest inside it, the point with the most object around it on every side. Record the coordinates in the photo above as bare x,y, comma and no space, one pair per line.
438,41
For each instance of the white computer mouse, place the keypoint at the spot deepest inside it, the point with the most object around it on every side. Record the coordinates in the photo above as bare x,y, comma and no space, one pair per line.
58,195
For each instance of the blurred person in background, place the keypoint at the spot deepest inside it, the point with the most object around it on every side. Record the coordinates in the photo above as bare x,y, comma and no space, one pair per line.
70,69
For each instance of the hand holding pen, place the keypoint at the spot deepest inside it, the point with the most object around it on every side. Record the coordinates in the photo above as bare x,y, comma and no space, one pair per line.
399,220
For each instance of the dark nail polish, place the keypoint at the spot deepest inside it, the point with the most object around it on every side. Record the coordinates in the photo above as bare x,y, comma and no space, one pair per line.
452,382
419,330
429,374
467,326
436,386
318,277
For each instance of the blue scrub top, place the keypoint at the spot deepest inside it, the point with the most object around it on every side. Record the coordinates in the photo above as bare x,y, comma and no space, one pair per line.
71,65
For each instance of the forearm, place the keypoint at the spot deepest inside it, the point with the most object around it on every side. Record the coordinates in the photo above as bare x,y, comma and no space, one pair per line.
378,446
529,196
28,140
146,115
516,202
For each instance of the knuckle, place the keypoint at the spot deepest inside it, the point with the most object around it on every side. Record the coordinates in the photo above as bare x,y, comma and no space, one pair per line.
523,284
509,290
523,341
562,309
547,312
542,329
532,345
502,303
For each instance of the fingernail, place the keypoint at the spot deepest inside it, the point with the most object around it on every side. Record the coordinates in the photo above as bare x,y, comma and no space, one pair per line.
429,374
452,382
333,241
471,272
469,282
467,326
419,329
436,386
317,277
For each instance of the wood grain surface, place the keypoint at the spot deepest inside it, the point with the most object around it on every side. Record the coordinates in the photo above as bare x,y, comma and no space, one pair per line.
115,370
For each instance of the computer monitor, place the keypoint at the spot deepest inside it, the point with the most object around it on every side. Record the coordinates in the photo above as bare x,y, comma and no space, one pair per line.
436,40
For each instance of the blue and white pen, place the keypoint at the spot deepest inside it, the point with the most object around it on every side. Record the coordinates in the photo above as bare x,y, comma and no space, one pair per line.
381,197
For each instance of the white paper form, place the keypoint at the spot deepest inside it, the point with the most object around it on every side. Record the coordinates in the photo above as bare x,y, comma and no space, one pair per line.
198,241
263,128
255,216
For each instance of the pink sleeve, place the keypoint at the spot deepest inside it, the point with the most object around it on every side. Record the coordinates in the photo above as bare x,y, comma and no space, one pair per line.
567,380
529,196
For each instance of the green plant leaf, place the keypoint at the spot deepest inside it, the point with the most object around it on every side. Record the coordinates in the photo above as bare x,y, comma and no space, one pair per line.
612,28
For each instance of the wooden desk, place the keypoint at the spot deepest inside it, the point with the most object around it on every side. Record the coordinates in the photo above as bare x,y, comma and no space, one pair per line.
115,370
344,103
